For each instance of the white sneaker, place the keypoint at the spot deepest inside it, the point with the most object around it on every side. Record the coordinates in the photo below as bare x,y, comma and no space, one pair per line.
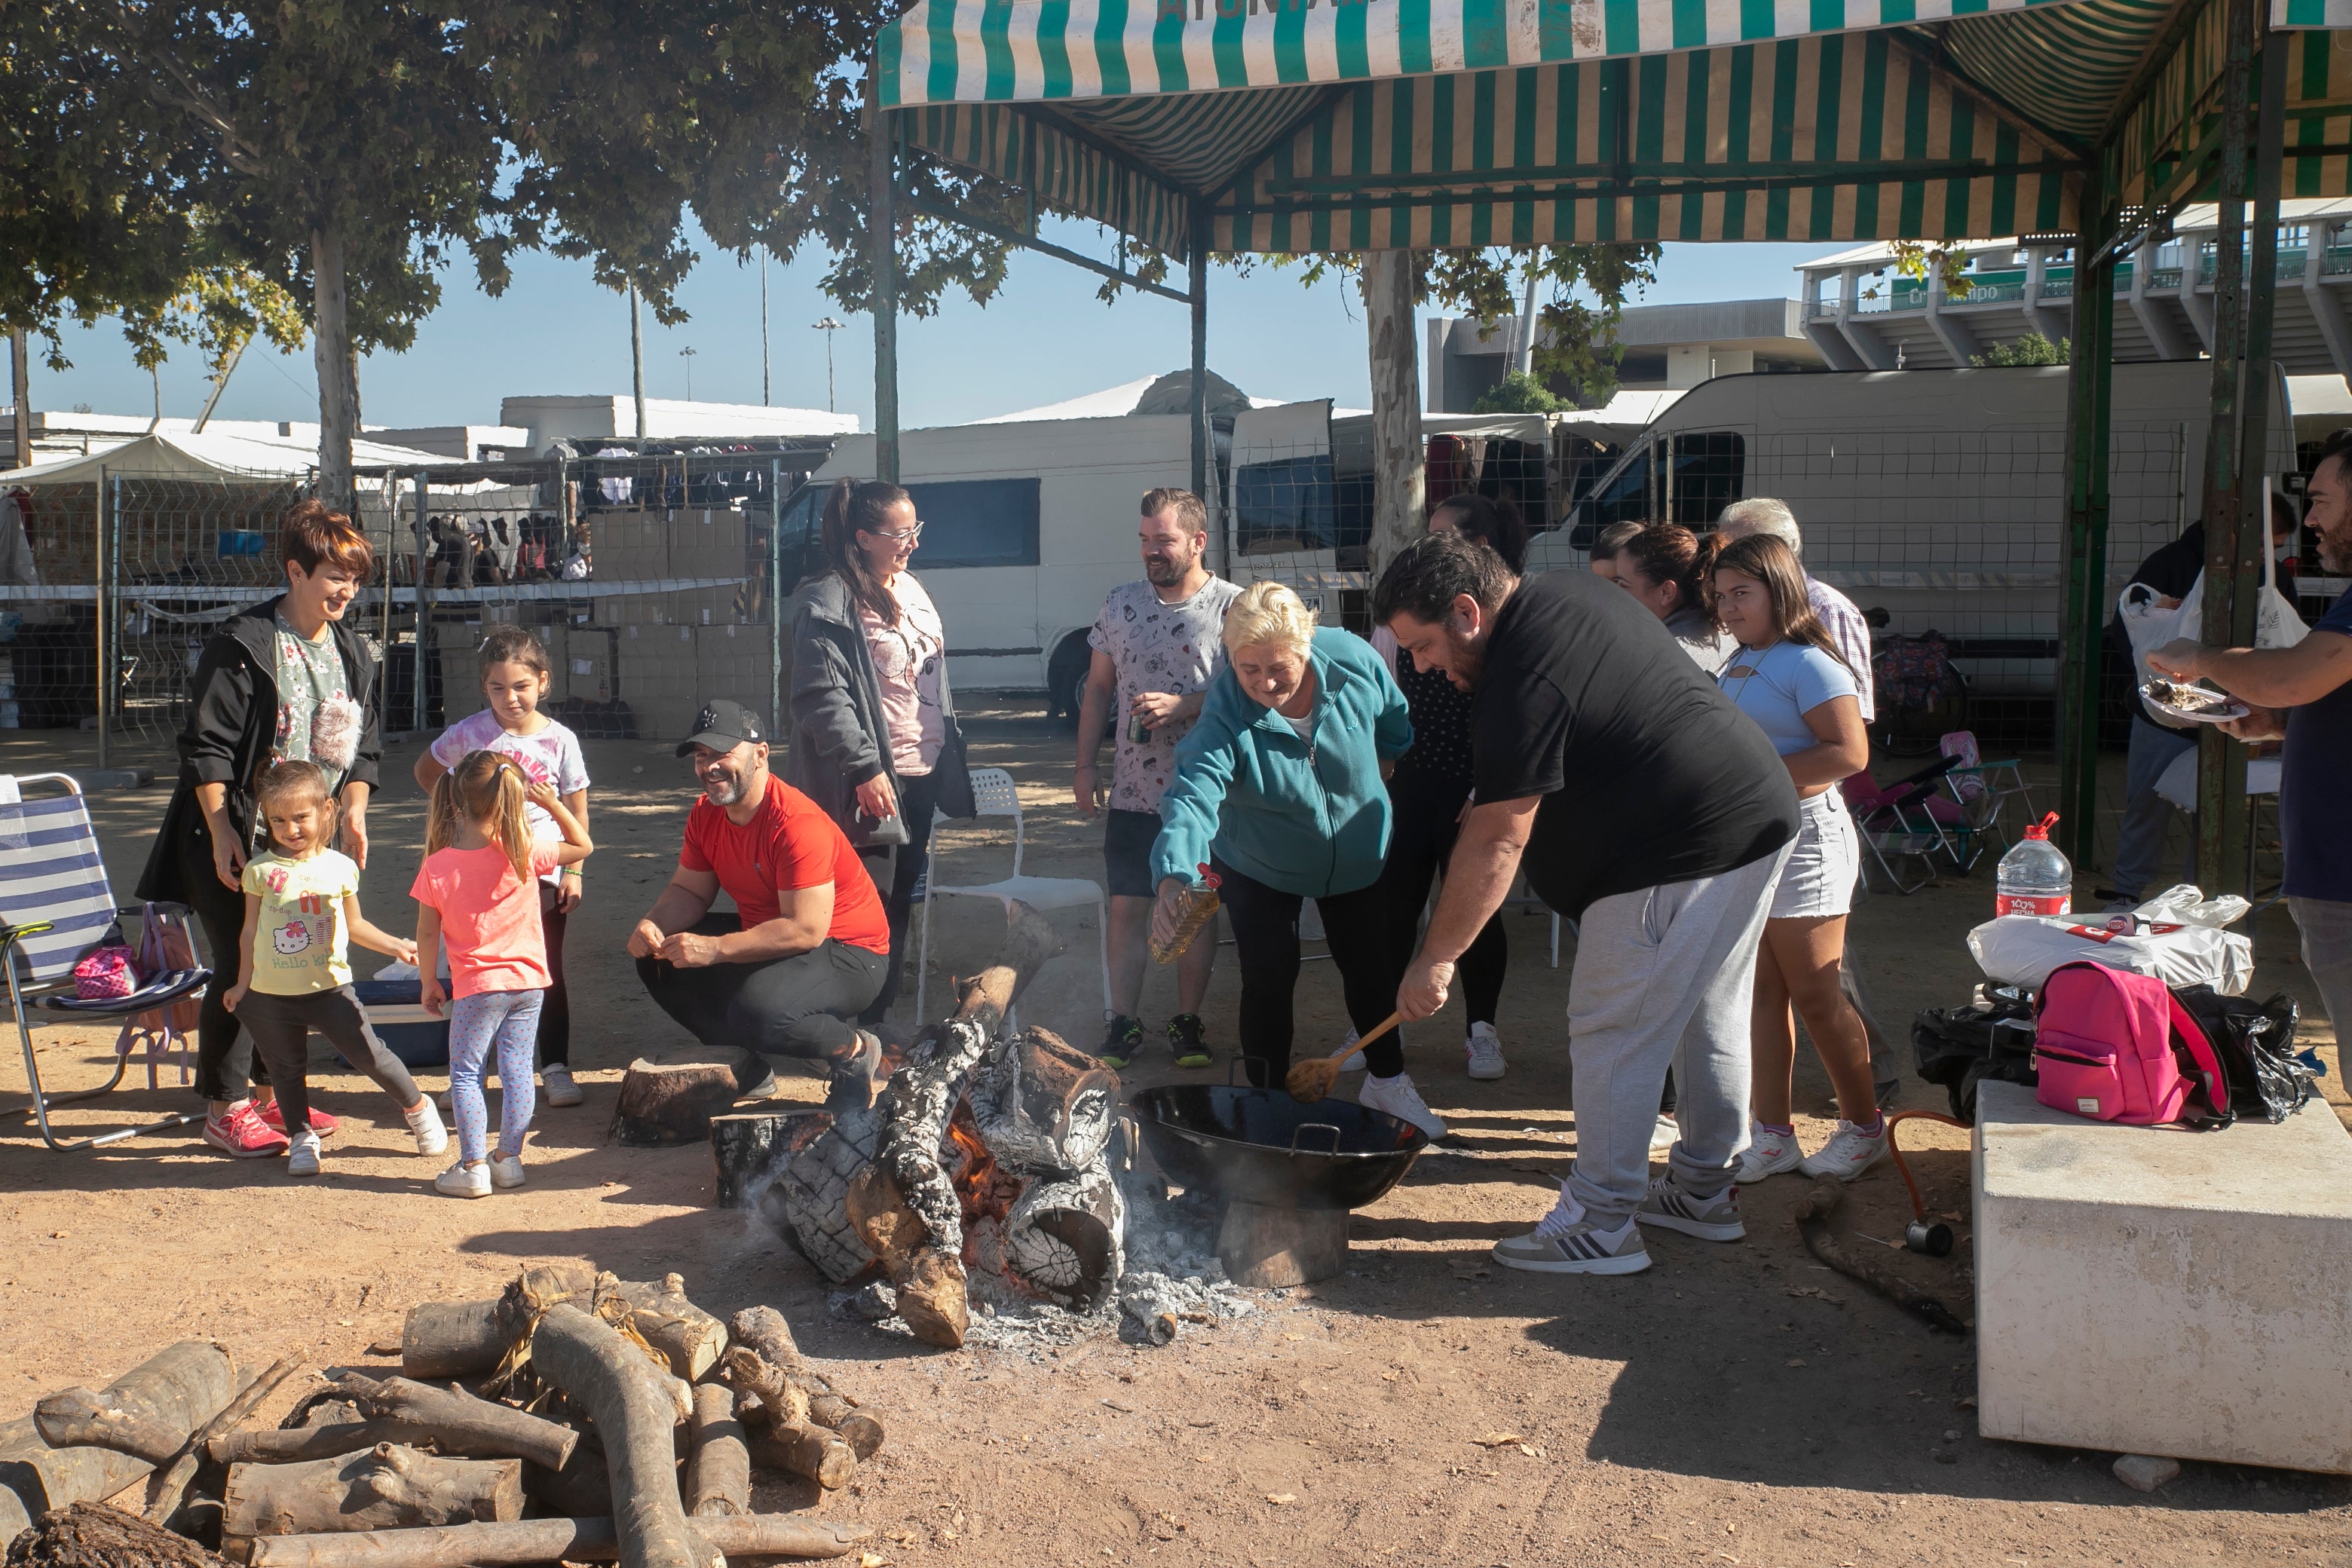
1486,1053
1400,1099
556,1085
1848,1154
1355,1062
505,1171
464,1181
425,1122
1665,1135
1674,1207
303,1154
1569,1241
1768,1154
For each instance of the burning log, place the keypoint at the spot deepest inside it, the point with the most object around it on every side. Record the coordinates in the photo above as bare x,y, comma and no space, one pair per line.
1045,1105
92,1535
183,1386
459,1423
469,1338
718,1468
811,1198
389,1487
1063,1236
545,1541
634,1409
663,1104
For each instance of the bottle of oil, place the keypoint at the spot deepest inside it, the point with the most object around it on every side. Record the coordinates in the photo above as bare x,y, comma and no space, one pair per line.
1195,907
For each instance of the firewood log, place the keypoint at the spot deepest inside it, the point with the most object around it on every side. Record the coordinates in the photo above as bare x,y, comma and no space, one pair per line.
631,1406
459,1422
747,1147
763,1330
469,1338
387,1488
74,1416
183,1386
582,1488
719,1472
92,1535
166,1493
759,1535
782,1403
289,1447
689,1338
810,1451
664,1104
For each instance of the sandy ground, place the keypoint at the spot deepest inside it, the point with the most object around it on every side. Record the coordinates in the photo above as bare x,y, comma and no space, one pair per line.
1735,1403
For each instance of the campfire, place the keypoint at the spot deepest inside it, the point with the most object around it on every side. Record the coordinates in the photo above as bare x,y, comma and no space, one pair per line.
987,1155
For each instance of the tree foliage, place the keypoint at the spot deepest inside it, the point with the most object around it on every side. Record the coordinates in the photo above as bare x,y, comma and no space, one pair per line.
2030,348
1517,392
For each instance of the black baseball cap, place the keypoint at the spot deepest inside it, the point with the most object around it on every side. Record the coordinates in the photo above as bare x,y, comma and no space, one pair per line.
722,726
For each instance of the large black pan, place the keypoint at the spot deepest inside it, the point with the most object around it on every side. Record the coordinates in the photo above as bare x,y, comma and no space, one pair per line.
1264,1147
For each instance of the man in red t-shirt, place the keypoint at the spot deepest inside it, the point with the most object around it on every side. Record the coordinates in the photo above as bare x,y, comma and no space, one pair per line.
808,945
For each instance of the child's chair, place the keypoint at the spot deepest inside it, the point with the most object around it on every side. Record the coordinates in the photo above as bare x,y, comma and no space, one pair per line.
56,906
992,793
1981,789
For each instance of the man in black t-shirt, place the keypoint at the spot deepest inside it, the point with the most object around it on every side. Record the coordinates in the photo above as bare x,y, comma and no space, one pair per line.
1646,807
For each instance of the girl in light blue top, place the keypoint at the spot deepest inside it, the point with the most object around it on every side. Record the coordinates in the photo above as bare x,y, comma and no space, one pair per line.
1787,674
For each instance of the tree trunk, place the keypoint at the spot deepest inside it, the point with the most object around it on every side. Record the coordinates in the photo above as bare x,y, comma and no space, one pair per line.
20,395
718,1473
638,359
92,1535
759,1535
184,1384
459,1422
339,386
1399,456
664,1104
629,1400
387,1488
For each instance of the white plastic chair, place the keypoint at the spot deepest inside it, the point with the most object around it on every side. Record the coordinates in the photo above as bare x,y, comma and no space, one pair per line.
992,793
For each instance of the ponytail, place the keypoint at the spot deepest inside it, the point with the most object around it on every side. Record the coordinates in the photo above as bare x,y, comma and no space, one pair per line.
488,788
851,508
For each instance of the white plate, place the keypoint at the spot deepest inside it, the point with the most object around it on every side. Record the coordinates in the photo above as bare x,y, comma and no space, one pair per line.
2222,713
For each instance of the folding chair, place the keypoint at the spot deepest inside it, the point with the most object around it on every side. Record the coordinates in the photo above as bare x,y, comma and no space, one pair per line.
1983,790
50,867
992,793
1900,819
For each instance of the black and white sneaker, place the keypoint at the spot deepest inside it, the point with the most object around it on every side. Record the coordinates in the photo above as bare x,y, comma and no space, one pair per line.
1669,1207
1569,1241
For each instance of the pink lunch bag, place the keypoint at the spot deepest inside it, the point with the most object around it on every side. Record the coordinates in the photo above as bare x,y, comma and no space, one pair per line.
2112,1045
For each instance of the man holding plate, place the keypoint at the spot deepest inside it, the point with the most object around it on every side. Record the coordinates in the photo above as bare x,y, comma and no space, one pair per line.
2304,694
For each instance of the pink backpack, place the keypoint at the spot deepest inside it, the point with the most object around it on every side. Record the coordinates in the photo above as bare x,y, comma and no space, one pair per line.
2112,1046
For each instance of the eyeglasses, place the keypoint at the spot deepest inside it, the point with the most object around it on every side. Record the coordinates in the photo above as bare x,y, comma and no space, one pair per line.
906,537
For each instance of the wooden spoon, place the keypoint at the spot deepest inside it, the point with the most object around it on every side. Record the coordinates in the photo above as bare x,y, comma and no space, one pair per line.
1309,1081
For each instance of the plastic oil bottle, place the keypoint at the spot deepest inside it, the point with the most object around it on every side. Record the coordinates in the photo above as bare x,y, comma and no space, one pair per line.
2036,876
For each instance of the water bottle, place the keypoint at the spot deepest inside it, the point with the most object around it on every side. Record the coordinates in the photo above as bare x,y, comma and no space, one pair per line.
2036,876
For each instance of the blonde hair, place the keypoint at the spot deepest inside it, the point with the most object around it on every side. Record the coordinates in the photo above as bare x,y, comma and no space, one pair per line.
484,788
1269,612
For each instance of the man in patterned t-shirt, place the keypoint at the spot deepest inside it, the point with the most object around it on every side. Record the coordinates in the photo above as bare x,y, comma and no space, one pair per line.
1157,645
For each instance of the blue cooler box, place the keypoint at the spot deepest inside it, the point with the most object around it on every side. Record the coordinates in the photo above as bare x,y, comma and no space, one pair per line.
409,1032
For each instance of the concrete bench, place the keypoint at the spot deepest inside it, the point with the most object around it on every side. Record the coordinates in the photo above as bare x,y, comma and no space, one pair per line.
2156,1290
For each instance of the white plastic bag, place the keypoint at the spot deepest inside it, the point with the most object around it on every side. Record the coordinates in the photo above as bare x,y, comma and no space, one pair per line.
2185,903
2022,950
2150,625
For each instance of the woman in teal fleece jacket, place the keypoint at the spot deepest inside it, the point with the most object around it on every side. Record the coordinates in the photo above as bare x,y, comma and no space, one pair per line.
1278,789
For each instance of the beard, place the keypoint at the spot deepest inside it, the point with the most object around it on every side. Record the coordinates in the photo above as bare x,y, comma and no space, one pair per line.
726,791
2336,554
1165,571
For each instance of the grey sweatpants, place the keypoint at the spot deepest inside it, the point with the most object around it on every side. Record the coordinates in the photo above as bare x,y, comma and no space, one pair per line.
1663,975
2147,815
2327,928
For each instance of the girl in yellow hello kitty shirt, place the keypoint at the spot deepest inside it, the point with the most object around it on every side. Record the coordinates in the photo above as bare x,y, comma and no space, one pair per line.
301,905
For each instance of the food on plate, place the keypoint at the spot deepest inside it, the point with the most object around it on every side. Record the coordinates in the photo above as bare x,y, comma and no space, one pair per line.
2187,698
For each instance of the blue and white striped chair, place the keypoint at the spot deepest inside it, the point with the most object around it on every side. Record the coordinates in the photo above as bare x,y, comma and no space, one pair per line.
55,907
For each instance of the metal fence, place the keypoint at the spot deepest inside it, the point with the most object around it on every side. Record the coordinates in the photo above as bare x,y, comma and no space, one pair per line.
650,579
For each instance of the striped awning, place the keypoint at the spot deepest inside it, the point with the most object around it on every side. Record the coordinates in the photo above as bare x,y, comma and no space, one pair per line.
1009,52
2311,13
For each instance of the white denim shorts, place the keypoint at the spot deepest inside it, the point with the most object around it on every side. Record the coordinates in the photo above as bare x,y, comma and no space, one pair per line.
1819,878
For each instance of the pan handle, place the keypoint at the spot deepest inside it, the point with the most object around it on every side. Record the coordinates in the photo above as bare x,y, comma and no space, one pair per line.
1308,1126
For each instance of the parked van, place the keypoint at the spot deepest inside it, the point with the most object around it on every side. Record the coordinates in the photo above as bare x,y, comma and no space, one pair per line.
1938,495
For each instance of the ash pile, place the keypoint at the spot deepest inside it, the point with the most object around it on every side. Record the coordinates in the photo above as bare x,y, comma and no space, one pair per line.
577,1418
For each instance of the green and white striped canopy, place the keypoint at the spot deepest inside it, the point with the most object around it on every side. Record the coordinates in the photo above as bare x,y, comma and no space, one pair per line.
1286,125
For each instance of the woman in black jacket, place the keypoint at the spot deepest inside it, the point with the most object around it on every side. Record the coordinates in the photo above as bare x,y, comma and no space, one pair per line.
873,735
284,680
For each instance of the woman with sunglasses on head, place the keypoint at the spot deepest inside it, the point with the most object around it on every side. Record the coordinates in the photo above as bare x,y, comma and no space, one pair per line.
874,740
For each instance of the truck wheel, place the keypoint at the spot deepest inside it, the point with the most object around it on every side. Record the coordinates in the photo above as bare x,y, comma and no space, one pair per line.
1065,679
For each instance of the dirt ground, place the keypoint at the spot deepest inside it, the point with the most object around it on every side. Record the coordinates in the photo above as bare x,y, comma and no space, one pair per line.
1734,1403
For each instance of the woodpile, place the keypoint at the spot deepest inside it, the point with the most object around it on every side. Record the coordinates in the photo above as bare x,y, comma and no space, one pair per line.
607,1420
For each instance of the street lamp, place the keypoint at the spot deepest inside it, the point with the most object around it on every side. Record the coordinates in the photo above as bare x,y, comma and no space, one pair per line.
687,355
828,327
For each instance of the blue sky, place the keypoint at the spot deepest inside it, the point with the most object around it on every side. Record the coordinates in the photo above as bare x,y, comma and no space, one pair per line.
1044,338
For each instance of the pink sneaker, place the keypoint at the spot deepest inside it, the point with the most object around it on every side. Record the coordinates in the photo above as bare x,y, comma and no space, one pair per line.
242,1133
274,1117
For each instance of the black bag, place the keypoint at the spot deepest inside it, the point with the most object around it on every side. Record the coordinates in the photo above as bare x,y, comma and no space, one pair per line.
2256,1044
1959,1048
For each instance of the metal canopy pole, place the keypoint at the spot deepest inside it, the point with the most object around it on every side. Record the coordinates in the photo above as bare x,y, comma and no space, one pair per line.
420,710
2089,386
2221,761
881,135
1200,291
776,592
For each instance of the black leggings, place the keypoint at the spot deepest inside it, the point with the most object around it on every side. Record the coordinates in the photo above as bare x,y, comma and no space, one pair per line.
1425,818
1265,938
281,1029
555,1010
795,1006
226,1069
918,799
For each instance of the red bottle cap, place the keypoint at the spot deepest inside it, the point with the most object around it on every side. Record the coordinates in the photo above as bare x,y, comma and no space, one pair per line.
2042,830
